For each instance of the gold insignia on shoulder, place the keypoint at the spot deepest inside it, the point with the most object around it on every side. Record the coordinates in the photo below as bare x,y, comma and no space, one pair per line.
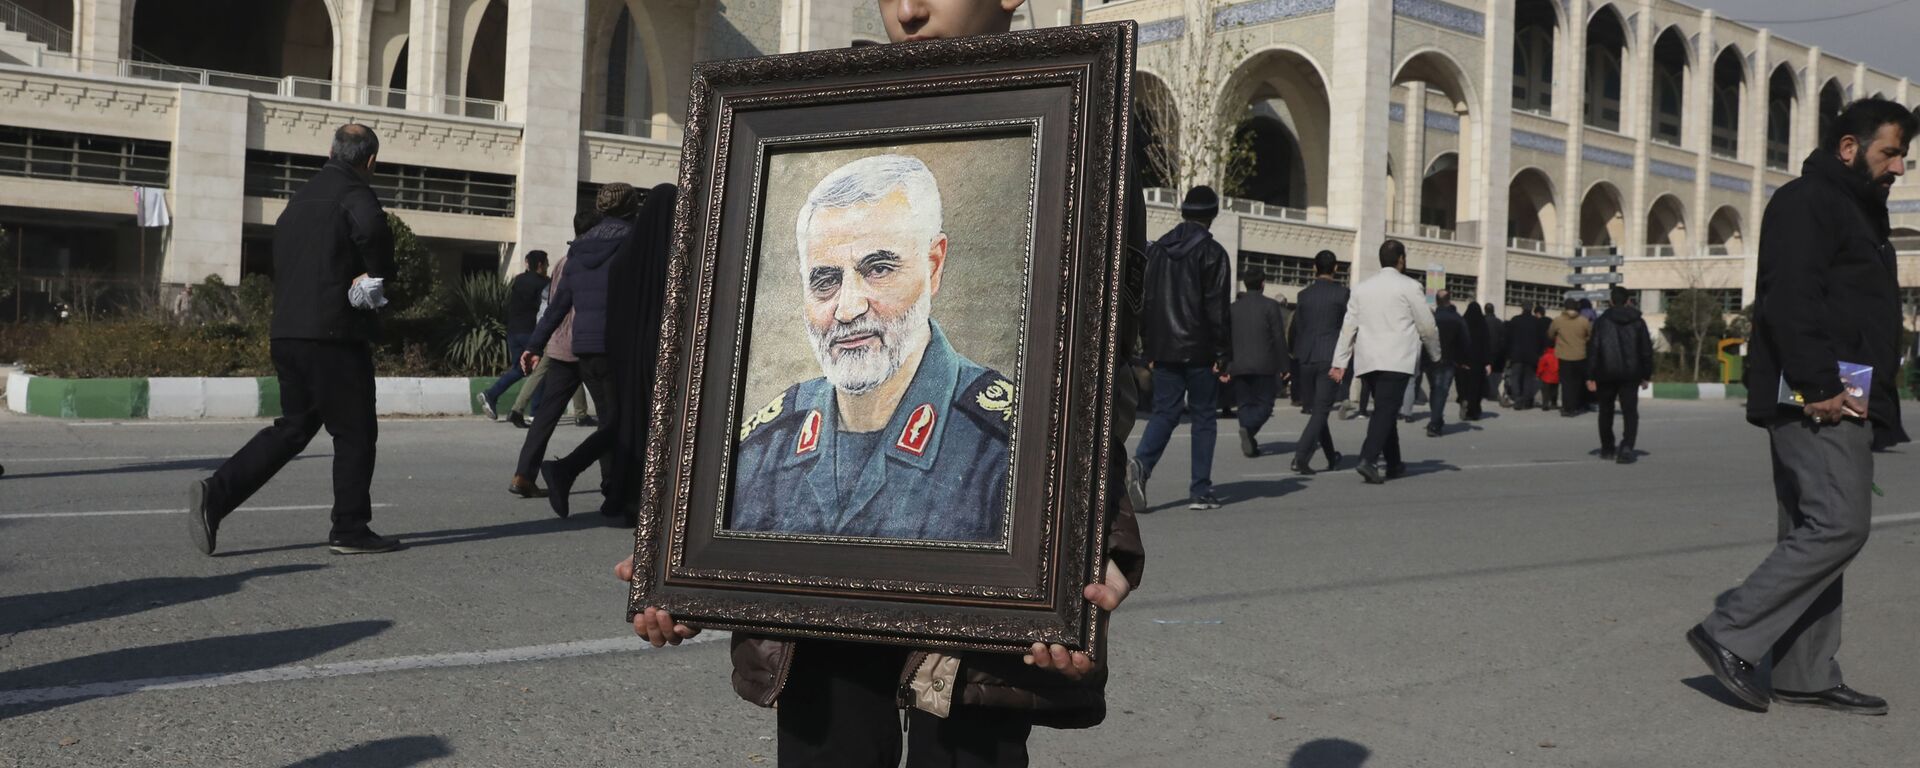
762,417
997,398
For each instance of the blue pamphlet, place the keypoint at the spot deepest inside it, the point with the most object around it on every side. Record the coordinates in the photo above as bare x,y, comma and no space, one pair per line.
1857,378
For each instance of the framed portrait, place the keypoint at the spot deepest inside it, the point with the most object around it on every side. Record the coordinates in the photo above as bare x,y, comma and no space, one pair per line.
883,407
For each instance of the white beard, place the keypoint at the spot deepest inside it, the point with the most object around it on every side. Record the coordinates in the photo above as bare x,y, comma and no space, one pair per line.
862,370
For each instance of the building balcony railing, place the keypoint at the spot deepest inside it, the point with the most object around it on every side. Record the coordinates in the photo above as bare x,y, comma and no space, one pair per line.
1165,196
1424,231
1527,244
637,127
35,27
291,87
1906,244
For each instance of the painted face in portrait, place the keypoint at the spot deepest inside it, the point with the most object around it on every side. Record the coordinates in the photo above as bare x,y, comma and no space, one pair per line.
871,253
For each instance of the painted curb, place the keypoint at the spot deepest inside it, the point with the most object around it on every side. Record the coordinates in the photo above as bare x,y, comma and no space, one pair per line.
167,397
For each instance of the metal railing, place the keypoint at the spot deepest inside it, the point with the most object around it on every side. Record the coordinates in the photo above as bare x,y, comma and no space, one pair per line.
637,127
1662,251
37,154
1527,244
375,96
1424,231
1905,244
35,27
1597,250
1259,209
408,187
168,73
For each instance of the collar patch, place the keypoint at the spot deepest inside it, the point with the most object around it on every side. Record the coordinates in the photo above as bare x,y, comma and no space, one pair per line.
809,437
918,431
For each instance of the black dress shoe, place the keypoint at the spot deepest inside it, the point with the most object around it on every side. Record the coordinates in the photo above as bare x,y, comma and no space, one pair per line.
1626,456
1333,461
1839,698
558,486
586,421
364,543
1607,454
1396,471
1735,673
1372,472
1248,445
1300,468
1432,432
202,526
517,419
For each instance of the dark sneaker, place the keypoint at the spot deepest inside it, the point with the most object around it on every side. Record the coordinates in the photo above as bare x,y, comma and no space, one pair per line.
486,406
364,543
1608,454
517,419
1301,468
1137,485
1839,698
1333,460
586,421
1433,431
1371,472
558,486
1204,501
201,524
1626,456
1248,445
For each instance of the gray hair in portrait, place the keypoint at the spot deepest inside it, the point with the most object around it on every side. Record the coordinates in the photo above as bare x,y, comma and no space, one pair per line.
864,182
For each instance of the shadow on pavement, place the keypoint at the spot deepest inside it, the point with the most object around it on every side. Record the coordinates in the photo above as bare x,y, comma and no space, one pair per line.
203,465
545,523
1251,490
1428,467
386,753
47,610
1329,753
118,673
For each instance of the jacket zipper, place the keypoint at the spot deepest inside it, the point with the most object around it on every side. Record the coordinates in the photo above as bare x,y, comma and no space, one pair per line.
906,688
786,668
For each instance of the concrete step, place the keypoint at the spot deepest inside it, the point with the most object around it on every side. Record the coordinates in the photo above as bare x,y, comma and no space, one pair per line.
15,48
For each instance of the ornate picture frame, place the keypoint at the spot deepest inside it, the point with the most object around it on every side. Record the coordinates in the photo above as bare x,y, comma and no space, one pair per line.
769,519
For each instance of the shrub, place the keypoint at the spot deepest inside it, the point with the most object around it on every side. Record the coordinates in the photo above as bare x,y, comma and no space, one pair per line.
1696,322
476,326
412,285
135,348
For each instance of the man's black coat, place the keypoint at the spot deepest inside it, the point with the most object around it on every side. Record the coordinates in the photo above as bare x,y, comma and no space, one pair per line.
1828,291
332,231
1317,315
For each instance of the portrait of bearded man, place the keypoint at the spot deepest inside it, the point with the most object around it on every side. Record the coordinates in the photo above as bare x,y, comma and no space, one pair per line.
900,437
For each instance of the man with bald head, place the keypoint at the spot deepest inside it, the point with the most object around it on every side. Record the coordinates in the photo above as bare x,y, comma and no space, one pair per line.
901,437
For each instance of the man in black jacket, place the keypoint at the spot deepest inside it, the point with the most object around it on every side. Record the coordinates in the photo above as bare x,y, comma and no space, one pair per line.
1526,342
1453,356
1260,359
1187,340
1619,365
1828,294
1321,308
331,235
523,307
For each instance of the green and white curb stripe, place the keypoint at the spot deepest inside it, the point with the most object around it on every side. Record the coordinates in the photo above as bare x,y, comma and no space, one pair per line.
224,398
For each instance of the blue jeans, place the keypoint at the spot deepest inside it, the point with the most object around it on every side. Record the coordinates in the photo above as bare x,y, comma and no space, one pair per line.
1196,384
1439,380
516,343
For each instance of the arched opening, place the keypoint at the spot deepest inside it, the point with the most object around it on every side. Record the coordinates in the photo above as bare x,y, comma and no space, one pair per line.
487,62
1606,61
1536,26
1667,227
1781,100
1905,240
1439,193
629,94
1723,233
1669,87
1531,216
1729,84
1279,99
1446,202
1832,100
398,81
1156,143
1603,221
636,53
263,38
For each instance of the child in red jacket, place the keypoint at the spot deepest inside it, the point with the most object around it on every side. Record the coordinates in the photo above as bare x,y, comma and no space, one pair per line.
1549,371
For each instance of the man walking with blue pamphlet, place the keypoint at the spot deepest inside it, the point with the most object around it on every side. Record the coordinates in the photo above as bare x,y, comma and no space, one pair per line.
1827,296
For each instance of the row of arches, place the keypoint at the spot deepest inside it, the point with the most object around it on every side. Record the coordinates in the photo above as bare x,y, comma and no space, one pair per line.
1533,213
1603,95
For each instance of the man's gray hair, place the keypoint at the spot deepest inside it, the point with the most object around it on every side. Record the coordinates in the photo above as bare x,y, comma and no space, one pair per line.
866,181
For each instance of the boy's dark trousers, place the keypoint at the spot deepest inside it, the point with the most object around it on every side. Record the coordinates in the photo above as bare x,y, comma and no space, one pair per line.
839,710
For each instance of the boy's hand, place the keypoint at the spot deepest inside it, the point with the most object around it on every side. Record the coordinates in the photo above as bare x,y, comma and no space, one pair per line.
1075,664
654,625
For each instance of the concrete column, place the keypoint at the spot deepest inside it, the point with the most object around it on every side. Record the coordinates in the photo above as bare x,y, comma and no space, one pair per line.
1759,95
1859,87
543,90
1572,181
352,47
1226,232
1493,133
814,25
1699,133
206,184
1413,157
102,29
1901,92
1807,129
428,42
1641,129
1361,83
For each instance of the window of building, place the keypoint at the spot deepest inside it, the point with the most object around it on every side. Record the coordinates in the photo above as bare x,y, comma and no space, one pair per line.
404,187
1462,288
1286,270
1669,87
1521,294
83,157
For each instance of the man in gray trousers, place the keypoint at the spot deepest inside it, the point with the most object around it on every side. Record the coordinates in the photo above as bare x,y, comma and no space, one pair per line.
1827,296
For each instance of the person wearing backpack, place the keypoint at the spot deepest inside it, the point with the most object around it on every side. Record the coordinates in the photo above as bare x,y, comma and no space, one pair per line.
1619,365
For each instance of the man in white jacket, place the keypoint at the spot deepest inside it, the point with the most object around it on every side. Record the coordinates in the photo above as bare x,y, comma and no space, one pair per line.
1389,321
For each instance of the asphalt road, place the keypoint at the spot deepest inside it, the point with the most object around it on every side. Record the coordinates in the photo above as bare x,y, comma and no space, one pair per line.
1514,602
